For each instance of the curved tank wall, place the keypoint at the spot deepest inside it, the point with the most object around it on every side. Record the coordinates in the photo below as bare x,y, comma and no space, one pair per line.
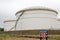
58,24
8,24
36,18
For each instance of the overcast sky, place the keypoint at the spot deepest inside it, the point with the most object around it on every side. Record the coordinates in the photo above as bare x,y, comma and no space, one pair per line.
8,8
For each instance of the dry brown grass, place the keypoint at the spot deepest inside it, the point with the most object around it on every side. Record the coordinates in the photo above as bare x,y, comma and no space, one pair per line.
11,35
7,37
15,38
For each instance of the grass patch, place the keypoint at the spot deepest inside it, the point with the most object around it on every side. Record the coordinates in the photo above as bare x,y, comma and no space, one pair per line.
9,37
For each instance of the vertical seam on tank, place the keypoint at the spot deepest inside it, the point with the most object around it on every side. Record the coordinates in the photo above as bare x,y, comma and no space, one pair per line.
18,19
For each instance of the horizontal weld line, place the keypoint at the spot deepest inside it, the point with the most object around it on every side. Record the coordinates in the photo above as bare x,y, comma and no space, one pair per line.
36,17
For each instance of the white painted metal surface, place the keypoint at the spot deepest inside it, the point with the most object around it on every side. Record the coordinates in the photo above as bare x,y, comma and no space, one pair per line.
8,24
58,24
36,18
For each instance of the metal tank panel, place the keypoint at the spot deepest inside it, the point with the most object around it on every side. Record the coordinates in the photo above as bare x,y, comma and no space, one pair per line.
36,19
58,24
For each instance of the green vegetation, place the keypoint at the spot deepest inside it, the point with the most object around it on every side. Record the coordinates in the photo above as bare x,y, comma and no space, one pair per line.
1,29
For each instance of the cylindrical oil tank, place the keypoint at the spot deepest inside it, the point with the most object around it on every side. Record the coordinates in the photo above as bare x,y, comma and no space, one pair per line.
8,24
36,18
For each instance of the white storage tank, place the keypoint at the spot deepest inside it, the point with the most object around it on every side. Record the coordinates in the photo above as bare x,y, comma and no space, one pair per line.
36,18
8,24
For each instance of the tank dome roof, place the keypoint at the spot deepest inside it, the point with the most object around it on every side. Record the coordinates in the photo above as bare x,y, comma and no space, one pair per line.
37,8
